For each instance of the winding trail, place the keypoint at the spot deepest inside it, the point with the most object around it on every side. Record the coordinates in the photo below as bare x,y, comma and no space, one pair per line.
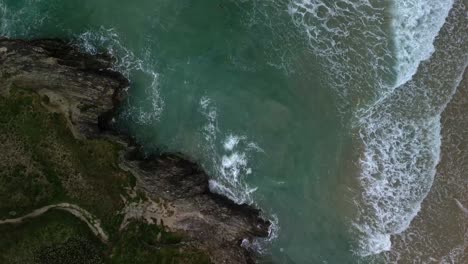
93,223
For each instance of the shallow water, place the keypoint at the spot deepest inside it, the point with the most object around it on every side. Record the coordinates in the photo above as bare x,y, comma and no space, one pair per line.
314,111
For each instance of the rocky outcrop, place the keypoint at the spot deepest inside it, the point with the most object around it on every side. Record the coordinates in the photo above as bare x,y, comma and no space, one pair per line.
213,222
79,85
88,93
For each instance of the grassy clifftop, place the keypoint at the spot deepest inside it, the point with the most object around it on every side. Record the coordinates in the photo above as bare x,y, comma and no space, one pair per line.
42,163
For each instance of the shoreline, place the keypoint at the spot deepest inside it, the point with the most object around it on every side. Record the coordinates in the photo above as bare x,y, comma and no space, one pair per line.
440,226
82,88
439,233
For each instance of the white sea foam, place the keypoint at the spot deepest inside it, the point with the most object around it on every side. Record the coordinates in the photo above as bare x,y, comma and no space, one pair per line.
399,126
108,40
258,244
397,170
231,160
415,26
401,133
352,39
230,155
231,142
21,21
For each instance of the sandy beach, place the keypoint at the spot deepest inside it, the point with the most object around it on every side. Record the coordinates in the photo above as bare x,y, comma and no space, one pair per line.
439,234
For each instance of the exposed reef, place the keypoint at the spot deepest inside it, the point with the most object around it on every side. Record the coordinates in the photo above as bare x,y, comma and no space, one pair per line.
171,191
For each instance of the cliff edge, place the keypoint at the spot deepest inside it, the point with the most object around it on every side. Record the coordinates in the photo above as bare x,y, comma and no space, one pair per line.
168,190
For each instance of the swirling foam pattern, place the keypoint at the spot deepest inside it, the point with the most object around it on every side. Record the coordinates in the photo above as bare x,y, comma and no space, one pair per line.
372,56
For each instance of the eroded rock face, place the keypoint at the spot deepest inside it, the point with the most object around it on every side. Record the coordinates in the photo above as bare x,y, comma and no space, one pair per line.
83,88
213,222
79,85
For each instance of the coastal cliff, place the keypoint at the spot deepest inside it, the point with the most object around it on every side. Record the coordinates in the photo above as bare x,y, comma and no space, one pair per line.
61,150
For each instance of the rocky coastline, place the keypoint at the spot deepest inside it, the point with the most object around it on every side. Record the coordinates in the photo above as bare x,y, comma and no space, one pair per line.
85,90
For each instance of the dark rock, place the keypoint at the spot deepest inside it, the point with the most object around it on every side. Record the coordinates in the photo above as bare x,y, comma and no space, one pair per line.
80,86
88,93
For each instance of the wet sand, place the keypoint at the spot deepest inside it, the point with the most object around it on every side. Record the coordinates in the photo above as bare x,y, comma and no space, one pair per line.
439,234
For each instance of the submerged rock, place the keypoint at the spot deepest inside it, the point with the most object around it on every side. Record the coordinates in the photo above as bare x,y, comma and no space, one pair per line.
84,89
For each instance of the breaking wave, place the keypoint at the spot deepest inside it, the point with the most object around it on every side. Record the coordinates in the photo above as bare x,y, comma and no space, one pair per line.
415,26
375,53
229,153
231,160
371,60
352,39
401,133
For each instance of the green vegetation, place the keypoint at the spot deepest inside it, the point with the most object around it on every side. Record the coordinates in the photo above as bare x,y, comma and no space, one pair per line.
142,243
42,163
56,237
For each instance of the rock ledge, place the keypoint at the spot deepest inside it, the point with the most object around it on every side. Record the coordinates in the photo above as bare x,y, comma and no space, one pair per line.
88,93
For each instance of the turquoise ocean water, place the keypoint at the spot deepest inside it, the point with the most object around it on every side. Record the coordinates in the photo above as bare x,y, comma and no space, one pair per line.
312,110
